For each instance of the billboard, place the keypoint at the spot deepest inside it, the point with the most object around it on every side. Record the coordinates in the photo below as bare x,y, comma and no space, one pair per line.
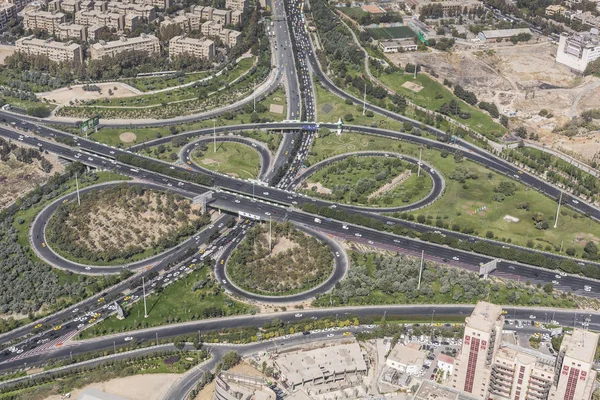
90,124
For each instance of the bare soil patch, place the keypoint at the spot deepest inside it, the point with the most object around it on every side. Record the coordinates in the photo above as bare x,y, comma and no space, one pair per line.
276,108
5,51
64,96
127,137
319,188
389,186
283,244
135,387
415,87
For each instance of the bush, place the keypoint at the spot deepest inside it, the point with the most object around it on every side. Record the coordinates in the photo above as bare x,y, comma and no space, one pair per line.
348,117
38,111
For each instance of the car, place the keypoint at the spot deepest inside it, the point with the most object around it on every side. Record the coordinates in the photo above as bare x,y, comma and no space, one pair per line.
346,333
330,335
88,268
57,327
587,288
575,202
345,227
266,193
298,315
556,282
101,299
557,276
455,258
357,234
38,326
532,317
128,339
236,201
222,262
43,244
224,282
267,213
370,242
337,254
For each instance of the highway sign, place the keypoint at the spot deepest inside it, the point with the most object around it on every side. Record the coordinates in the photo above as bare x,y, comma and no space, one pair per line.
89,124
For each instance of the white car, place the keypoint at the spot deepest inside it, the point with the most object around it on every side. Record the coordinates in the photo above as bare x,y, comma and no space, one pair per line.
337,254
128,339
587,288
88,268
236,201
266,193
532,317
357,234
455,258
575,202
345,227
267,214
557,276
330,335
556,282
370,242
224,282
298,315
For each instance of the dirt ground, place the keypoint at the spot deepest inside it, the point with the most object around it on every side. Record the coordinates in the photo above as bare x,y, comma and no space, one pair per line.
242,368
17,178
282,245
63,96
127,137
521,80
136,387
276,108
319,188
6,51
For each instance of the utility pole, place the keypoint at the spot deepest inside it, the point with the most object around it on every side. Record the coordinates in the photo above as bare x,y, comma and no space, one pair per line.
270,237
157,338
77,186
115,346
254,95
419,169
215,135
421,270
144,292
365,99
558,209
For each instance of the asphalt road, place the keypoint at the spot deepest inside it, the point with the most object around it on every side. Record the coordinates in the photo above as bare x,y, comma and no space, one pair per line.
340,269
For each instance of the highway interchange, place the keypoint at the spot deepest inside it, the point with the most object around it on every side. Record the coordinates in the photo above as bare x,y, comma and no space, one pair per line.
277,201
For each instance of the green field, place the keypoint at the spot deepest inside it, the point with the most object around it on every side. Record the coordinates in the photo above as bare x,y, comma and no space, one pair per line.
234,159
433,94
459,199
163,82
394,32
192,297
353,12
346,176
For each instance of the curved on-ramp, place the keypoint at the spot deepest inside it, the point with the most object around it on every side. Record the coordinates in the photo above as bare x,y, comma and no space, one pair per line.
340,270
436,191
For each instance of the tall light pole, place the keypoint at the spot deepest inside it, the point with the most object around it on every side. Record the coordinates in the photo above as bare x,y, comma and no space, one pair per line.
421,270
419,169
558,209
77,186
365,99
215,135
254,95
270,235
144,292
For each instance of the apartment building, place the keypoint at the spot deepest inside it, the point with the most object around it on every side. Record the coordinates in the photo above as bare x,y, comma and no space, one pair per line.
19,4
87,5
237,18
53,5
7,13
222,17
93,32
182,21
71,31
574,376
132,22
200,48
110,20
578,50
101,6
210,28
146,43
555,9
43,20
162,4
70,6
206,13
194,21
144,11
587,19
237,5
230,37
449,7
481,340
521,374
55,51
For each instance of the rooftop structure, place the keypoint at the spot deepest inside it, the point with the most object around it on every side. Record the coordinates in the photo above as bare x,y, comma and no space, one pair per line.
449,7
7,13
55,51
405,359
578,50
500,34
230,386
200,48
146,43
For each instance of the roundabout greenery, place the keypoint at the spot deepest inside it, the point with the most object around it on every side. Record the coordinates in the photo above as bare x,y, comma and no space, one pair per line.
231,158
295,263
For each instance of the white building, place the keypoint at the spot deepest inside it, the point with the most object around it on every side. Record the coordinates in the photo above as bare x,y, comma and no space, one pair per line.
578,50
394,45
405,359
446,364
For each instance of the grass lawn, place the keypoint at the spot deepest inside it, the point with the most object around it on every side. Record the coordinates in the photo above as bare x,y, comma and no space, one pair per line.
458,200
395,32
163,82
110,136
235,159
177,302
480,121
409,190
455,293
353,12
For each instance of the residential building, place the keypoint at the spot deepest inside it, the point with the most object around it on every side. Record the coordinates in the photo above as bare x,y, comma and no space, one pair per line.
87,5
70,6
55,51
230,37
587,19
53,5
575,378
101,6
395,45
146,43
344,362
521,374
498,35
71,31
110,20
19,4
210,28
181,20
132,22
222,17
93,31
230,386
238,5
204,12
194,20
200,48
555,9
237,17
481,340
43,20
405,359
445,363
146,12
162,4
449,7
7,13
576,51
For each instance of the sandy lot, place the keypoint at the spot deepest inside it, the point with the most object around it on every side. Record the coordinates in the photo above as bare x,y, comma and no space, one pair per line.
65,95
319,188
127,137
521,80
276,108
5,51
415,87
17,178
136,387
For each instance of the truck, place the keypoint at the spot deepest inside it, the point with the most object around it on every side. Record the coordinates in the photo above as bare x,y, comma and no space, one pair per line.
318,220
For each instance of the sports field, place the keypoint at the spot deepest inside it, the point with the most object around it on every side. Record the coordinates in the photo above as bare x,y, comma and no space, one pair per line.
395,32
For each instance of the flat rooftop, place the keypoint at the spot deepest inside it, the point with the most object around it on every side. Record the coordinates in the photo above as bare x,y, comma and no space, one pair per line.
406,355
484,316
503,33
581,345
433,391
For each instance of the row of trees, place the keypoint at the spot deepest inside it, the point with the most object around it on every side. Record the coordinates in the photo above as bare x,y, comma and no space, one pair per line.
151,165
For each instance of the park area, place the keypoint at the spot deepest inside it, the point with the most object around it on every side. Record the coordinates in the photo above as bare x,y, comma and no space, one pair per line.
391,32
234,159
292,262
